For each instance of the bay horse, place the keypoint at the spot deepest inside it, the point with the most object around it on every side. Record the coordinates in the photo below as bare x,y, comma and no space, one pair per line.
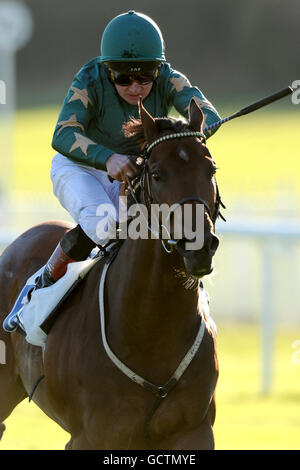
152,319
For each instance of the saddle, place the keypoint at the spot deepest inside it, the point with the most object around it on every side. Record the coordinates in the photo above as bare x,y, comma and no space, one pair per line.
41,306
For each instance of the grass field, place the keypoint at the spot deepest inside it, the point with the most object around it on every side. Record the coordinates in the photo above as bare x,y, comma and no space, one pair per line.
246,419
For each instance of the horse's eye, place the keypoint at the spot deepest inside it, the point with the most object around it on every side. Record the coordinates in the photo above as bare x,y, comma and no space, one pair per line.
155,176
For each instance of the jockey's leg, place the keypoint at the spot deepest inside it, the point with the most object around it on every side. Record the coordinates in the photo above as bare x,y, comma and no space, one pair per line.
74,246
93,201
86,193
88,196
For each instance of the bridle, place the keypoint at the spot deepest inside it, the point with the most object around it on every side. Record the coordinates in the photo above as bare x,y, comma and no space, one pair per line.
145,187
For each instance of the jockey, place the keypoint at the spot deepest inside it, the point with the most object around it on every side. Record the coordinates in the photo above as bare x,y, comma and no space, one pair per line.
88,136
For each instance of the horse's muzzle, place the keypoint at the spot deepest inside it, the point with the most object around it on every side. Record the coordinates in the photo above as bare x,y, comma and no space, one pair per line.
199,263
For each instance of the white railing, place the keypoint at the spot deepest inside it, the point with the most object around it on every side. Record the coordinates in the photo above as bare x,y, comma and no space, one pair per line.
265,232
261,228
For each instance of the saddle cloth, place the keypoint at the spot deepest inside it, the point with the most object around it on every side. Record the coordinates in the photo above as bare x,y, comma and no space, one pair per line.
43,301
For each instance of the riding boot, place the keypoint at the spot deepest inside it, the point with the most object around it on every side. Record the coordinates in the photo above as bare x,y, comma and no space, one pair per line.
74,246
55,268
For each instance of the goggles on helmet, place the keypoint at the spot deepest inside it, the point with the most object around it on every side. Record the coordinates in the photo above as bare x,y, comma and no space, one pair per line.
133,74
126,79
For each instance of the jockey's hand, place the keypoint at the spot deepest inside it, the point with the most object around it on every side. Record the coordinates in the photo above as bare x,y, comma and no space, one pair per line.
119,166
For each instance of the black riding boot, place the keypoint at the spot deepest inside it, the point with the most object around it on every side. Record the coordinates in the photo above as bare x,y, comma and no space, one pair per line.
74,246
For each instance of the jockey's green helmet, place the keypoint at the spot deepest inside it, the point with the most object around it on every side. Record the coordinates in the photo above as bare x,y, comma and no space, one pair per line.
132,37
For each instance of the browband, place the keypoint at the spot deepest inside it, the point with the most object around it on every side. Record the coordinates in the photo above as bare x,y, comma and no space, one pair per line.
150,147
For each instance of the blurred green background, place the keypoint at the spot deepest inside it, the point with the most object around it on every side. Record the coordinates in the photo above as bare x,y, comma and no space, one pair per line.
236,52
229,48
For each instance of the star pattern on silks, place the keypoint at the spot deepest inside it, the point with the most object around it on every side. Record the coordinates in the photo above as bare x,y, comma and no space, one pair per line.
201,103
80,94
71,122
81,142
179,83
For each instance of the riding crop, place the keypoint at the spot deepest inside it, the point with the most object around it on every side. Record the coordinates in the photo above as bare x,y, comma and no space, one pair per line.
253,107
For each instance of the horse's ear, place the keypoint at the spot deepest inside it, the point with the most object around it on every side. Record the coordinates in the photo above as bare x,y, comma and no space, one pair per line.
196,117
148,123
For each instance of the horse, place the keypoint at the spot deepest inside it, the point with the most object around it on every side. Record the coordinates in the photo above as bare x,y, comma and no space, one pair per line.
152,319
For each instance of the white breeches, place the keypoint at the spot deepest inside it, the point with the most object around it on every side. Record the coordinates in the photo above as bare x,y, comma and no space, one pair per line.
88,195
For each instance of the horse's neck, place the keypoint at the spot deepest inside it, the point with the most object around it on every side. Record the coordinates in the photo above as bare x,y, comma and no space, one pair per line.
144,280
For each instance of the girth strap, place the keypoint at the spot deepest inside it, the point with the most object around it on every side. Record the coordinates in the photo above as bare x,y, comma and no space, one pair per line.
159,391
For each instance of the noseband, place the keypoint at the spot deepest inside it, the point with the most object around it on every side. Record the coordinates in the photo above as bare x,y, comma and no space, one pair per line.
145,185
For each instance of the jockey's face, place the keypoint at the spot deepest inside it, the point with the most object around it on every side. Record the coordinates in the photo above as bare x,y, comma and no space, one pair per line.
132,92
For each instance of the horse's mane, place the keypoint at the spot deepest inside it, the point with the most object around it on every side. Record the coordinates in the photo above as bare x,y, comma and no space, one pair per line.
133,129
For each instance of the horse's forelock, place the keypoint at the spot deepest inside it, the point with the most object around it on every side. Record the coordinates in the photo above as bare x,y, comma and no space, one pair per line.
171,124
133,129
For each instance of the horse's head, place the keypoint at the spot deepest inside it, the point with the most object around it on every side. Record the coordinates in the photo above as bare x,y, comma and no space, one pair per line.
179,170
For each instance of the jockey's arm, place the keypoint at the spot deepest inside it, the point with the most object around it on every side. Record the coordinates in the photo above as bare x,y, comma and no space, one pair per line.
70,136
180,92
